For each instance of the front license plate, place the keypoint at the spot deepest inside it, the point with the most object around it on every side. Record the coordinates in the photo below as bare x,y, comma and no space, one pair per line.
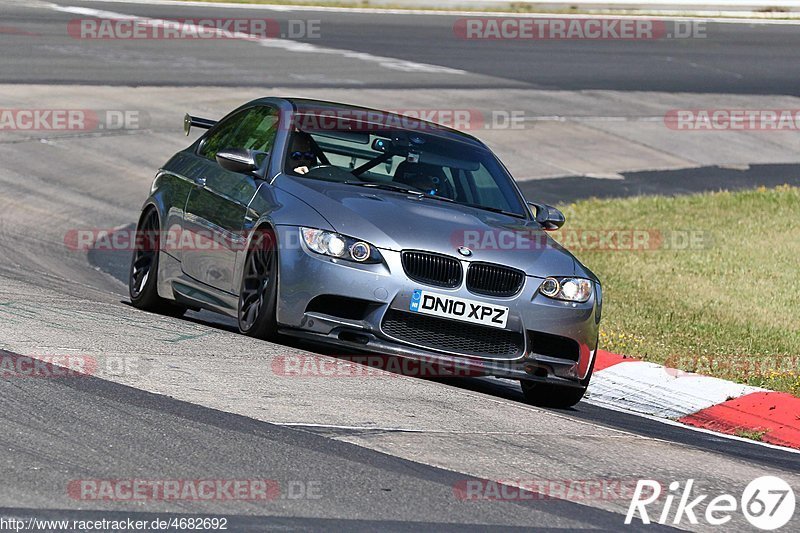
430,303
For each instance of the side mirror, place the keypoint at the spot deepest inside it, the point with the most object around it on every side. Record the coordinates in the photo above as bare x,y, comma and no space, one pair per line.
548,216
237,160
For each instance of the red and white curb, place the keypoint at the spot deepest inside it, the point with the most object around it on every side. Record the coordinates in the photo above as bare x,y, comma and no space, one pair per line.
693,399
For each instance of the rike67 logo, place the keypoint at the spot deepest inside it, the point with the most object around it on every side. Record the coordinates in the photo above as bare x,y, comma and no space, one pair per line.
767,502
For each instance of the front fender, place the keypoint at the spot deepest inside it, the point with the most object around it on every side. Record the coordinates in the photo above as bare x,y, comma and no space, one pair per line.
276,209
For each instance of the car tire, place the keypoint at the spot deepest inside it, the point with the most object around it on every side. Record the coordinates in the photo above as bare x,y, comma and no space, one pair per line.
258,294
559,397
143,273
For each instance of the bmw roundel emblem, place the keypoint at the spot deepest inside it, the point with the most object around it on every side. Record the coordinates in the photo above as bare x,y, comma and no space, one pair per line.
463,250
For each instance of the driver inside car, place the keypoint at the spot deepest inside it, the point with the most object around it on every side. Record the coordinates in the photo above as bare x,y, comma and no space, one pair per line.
425,177
301,156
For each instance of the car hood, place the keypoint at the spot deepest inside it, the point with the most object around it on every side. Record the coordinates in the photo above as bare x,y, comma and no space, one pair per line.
397,221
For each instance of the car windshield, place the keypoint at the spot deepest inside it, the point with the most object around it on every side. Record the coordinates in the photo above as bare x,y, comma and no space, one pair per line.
405,161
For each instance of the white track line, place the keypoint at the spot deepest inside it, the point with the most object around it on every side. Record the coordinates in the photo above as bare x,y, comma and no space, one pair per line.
284,44
673,15
675,423
302,425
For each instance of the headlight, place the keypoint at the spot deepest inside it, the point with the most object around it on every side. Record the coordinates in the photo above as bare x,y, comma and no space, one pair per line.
335,245
569,289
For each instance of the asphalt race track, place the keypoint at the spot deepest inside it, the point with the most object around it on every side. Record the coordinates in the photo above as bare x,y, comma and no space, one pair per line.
192,399
732,58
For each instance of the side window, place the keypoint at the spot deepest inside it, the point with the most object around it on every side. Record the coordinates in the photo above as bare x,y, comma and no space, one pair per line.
218,137
254,128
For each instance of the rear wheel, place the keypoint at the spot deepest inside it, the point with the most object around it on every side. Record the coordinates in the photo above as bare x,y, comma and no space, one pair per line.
258,295
560,397
143,278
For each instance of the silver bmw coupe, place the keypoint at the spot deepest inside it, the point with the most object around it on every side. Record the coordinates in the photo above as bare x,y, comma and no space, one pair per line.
371,231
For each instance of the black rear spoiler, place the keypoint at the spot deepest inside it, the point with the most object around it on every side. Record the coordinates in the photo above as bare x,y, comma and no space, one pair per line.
189,121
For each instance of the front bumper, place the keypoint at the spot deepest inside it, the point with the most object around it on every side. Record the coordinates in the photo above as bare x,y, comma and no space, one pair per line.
305,275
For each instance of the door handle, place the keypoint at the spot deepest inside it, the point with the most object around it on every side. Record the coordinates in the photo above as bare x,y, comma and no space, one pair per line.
200,183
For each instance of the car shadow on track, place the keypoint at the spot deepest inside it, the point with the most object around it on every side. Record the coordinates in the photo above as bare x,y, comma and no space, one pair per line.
509,390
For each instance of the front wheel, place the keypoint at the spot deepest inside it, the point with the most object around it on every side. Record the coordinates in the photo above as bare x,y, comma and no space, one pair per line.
547,395
559,397
258,295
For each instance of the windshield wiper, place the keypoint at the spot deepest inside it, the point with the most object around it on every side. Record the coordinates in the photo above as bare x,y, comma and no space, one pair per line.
384,186
392,187
442,198
495,210
422,194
